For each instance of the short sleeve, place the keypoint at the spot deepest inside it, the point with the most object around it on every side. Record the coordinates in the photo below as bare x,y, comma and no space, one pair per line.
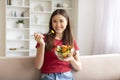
76,46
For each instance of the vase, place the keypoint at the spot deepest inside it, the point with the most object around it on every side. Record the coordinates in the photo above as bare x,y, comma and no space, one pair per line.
20,25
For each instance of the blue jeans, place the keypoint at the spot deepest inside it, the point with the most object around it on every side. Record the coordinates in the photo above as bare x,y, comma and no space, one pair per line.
57,76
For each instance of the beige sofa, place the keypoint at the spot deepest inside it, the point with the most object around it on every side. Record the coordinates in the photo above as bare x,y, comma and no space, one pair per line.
102,67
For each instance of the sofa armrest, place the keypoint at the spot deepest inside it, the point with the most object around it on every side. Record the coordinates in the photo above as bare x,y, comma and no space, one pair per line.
18,68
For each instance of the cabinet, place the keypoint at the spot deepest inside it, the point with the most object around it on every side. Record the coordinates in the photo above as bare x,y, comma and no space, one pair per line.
35,14
17,37
40,11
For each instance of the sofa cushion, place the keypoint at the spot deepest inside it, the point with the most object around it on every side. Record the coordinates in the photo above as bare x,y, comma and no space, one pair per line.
99,67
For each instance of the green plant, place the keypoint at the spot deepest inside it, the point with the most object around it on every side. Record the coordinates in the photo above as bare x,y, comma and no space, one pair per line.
20,21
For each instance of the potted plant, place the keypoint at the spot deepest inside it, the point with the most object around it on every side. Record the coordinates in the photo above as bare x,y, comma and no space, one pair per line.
20,23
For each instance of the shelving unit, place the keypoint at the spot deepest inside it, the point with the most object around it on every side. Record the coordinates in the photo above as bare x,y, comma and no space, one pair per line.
36,15
17,39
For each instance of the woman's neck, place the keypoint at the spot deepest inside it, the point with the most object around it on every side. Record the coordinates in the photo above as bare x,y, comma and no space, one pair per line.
58,36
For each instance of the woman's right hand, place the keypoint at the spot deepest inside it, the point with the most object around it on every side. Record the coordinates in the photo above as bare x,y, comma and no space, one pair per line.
39,38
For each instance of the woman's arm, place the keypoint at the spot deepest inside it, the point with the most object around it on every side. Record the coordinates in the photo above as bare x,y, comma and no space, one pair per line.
39,59
76,62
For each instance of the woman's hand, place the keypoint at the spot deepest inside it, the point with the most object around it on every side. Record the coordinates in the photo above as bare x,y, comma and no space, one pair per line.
69,58
39,38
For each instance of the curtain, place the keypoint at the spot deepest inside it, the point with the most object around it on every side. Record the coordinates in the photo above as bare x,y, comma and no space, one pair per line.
107,27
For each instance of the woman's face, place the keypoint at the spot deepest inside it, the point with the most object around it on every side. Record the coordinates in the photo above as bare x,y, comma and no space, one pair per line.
59,23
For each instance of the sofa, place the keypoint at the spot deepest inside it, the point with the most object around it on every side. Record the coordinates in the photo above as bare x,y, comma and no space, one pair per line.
94,67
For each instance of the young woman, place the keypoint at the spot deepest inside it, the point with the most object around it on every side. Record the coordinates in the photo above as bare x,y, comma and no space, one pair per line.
50,66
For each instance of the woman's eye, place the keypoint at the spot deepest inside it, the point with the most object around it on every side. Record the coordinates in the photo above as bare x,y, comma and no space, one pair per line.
54,21
61,21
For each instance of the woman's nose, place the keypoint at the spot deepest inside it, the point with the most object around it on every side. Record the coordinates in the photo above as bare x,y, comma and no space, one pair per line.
58,24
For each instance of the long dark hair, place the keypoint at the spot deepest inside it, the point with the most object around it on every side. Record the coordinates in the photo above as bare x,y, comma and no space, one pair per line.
67,38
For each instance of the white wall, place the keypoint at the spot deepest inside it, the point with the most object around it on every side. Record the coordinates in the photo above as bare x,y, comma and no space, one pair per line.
2,29
86,22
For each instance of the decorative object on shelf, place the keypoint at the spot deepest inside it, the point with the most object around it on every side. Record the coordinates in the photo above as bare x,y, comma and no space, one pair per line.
36,20
22,14
65,5
58,5
12,48
33,19
21,48
23,2
13,13
20,23
22,37
37,8
42,8
9,2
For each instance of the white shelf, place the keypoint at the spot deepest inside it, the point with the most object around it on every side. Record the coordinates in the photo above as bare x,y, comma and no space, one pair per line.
18,28
39,24
36,19
18,50
41,12
17,17
32,48
10,6
17,39
62,8
46,0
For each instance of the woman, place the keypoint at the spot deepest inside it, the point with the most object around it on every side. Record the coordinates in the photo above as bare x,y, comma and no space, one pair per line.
51,67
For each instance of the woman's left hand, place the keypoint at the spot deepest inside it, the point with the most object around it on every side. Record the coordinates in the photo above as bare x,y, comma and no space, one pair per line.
69,58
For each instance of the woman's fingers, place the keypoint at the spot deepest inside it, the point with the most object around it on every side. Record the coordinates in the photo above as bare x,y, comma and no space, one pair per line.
38,36
70,57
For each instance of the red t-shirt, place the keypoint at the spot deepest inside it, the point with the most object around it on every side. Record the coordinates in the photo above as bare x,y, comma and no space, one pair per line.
52,64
